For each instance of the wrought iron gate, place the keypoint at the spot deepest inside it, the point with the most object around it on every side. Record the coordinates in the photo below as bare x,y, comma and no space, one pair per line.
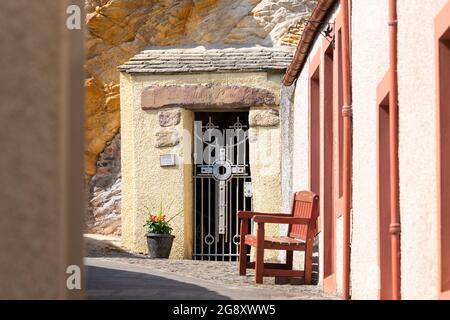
222,183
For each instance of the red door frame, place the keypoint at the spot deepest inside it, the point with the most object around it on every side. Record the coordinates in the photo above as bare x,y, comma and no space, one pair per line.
321,150
383,190
338,126
315,80
326,144
327,167
442,33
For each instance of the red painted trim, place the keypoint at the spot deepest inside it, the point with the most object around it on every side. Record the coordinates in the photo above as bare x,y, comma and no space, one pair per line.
442,22
383,189
442,34
327,168
338,126
395,227
347,145
329,284
314,66
314,127
339,21
383,89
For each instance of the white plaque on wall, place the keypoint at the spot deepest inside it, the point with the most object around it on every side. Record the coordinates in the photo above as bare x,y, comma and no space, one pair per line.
167,160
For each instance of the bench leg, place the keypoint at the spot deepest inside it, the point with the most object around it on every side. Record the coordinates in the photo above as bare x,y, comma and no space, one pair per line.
289,259
308,264
259,264
243,249
243,259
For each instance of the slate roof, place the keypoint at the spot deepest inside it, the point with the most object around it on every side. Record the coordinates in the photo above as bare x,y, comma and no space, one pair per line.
196,60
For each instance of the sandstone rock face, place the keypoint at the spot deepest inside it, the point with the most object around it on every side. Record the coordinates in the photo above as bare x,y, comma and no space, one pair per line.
104,193
119,29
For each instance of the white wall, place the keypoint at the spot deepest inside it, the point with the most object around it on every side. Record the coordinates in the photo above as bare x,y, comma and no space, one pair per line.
417,145
370,62
417,149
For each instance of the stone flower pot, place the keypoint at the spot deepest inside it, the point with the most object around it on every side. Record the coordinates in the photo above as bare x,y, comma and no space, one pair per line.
159,245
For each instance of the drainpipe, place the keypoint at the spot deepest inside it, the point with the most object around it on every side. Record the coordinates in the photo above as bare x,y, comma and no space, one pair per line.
347,137
395,227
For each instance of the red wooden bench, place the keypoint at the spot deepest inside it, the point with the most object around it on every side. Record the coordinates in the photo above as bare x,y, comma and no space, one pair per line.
302,230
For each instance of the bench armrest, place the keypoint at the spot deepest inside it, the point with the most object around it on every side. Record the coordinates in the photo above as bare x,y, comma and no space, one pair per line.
280,220
250,214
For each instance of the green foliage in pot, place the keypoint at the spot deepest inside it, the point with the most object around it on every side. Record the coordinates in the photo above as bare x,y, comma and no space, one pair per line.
159,223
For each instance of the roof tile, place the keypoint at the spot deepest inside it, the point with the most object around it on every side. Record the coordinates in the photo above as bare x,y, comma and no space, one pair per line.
209,60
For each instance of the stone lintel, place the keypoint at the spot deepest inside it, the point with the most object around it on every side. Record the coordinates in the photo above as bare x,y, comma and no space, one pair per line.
205,96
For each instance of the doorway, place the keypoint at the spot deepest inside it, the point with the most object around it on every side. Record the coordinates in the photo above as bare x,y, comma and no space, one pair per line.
222,183
443,146
327,170
384,203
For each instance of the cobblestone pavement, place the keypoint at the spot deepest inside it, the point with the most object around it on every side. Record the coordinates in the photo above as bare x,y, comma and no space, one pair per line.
220,278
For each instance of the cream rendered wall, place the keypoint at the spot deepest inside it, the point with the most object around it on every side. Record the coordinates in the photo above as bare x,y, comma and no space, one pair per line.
265,166
127,159
145,184
417,147
370,62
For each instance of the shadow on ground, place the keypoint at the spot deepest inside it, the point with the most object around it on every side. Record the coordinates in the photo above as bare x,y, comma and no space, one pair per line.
106,284
94,247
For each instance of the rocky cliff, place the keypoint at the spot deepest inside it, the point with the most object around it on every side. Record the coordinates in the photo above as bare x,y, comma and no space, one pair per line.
118,29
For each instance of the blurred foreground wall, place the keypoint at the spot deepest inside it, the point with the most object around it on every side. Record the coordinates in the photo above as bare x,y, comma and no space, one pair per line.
41,146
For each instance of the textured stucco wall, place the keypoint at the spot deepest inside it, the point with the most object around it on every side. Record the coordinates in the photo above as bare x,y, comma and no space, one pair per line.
287,152
265,166
127,158
370,61
145,183
417,147
287,145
